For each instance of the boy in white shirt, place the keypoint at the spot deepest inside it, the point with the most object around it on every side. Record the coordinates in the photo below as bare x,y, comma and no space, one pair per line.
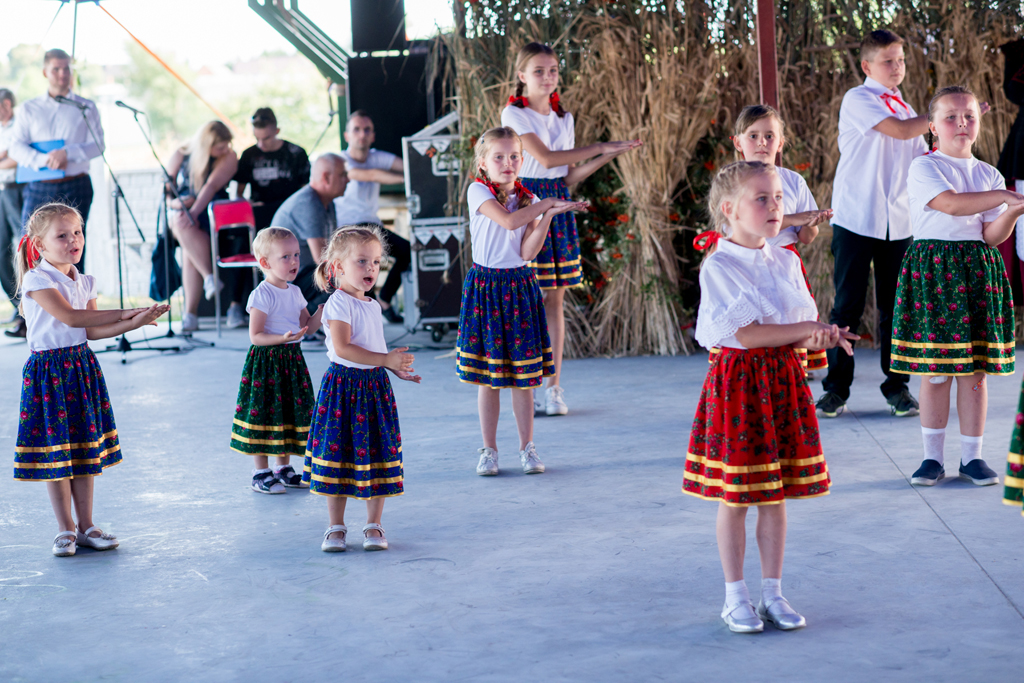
879,135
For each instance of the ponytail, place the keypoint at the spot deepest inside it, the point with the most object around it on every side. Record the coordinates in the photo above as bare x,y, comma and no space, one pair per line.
323,276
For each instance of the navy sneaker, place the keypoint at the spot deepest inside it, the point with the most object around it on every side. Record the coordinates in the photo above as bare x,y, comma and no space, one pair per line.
831,405
977,472
929,473
903,404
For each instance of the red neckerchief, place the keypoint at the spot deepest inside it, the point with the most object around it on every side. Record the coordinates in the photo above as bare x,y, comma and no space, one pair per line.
493,187
706,240
30,247
521,101
889,99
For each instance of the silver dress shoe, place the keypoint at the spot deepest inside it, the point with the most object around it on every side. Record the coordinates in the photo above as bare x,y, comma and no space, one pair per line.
374,542
101,542
334,545
779,613
738,620
488,465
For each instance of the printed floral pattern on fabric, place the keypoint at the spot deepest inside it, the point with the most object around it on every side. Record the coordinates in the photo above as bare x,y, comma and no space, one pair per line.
275,402
954,311
755,438
558,263
66,426
503,333
355,443
1013,482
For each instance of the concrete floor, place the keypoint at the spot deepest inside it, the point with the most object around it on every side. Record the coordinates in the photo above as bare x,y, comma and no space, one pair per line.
598,570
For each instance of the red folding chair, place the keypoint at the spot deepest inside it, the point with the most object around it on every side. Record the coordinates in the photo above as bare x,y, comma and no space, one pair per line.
231,216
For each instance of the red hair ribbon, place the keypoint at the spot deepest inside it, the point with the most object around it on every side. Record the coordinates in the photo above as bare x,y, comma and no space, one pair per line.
493,187
30,247
331,273
889,99
706,240
521,101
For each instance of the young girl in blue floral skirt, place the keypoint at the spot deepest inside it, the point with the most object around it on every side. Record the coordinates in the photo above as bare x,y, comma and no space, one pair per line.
552,163
503,335
355,443
275,396
954,314
67,434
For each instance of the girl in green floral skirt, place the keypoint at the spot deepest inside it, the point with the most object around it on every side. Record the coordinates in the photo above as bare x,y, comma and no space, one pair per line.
275,396
954,312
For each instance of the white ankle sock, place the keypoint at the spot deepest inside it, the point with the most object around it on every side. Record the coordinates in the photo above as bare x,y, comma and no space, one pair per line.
771,589
736,594
934,443
970,448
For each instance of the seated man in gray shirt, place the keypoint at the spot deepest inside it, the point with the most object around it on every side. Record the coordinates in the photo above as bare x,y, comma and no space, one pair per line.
309,213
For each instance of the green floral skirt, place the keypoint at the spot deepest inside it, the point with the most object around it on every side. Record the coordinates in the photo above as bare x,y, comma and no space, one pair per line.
954,311
275,403
1013,482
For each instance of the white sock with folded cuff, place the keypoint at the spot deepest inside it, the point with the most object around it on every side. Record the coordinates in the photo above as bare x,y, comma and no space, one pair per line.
970,448
934,443
736,594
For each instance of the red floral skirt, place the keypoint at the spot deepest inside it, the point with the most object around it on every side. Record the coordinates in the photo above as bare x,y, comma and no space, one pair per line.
755,439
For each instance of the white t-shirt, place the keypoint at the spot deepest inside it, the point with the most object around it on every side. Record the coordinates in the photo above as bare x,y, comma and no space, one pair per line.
366,322
558,133
282,306
361,200
740,286
44,331
796,198
493,245
869,193
935,173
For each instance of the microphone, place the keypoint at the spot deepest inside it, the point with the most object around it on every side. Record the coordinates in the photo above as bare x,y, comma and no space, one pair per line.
73,103
129,108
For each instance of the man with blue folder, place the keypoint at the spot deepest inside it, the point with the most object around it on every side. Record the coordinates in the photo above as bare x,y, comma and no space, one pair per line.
53,142
10,204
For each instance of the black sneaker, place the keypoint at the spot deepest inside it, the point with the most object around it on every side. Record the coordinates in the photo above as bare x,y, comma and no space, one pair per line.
977,472
831,405
391,315
930,473
266,482
903,404
289,477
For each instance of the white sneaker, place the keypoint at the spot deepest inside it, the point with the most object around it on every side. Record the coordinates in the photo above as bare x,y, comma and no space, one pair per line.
531,463
189,322
538,403
556,406
211,285
488,465
236,317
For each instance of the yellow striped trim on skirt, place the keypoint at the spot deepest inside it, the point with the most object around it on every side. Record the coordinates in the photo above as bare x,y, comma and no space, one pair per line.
741,469
954,345
491,361
386,465
66,447
65,463
265,428
268,442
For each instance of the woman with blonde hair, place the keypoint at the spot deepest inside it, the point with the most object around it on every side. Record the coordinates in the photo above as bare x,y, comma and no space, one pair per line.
203,168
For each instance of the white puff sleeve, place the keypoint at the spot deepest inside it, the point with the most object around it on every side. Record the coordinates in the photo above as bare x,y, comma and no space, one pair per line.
726,305
36,280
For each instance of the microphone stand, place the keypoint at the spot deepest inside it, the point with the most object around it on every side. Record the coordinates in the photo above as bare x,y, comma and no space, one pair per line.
330,120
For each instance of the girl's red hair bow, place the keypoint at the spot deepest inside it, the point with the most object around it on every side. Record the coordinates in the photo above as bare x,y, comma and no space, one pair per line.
706,240
30,247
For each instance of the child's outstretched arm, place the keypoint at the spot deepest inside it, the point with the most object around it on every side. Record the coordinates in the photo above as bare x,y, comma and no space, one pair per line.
135,318
311,322
903,129
257,324
395,360
809,334
969,203
54,303
581,172
533,236
549,158
807,223
517,219
998,231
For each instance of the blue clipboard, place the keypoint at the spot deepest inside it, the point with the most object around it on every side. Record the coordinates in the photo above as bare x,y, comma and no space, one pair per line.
26,174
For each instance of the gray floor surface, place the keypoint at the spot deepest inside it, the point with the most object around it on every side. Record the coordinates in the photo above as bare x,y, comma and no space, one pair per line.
598,570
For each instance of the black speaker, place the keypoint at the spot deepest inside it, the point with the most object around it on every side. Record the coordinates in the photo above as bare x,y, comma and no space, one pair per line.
378,25
396,94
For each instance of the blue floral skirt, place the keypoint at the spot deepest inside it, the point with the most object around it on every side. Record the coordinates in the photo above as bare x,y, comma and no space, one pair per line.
503,333
275,402
67,428
355,443
558,263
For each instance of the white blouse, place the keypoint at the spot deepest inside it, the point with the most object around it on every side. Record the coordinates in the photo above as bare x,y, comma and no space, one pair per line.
45,332
740,286
363,316
558,133
493,245
796,198
281,306
935,173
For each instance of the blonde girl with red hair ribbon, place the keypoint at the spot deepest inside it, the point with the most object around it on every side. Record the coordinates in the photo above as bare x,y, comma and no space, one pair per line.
66,433
754,440
551,164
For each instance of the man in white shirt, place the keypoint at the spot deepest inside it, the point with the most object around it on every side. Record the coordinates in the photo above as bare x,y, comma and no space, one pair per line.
879,135
10,207
368,169
45,119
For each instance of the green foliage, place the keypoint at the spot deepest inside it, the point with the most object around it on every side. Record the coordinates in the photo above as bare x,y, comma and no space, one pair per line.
22,73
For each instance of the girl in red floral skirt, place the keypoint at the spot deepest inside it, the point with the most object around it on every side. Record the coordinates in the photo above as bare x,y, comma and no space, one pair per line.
954,314
754,440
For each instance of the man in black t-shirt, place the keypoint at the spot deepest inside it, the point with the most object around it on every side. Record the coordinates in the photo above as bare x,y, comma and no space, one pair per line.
275,169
